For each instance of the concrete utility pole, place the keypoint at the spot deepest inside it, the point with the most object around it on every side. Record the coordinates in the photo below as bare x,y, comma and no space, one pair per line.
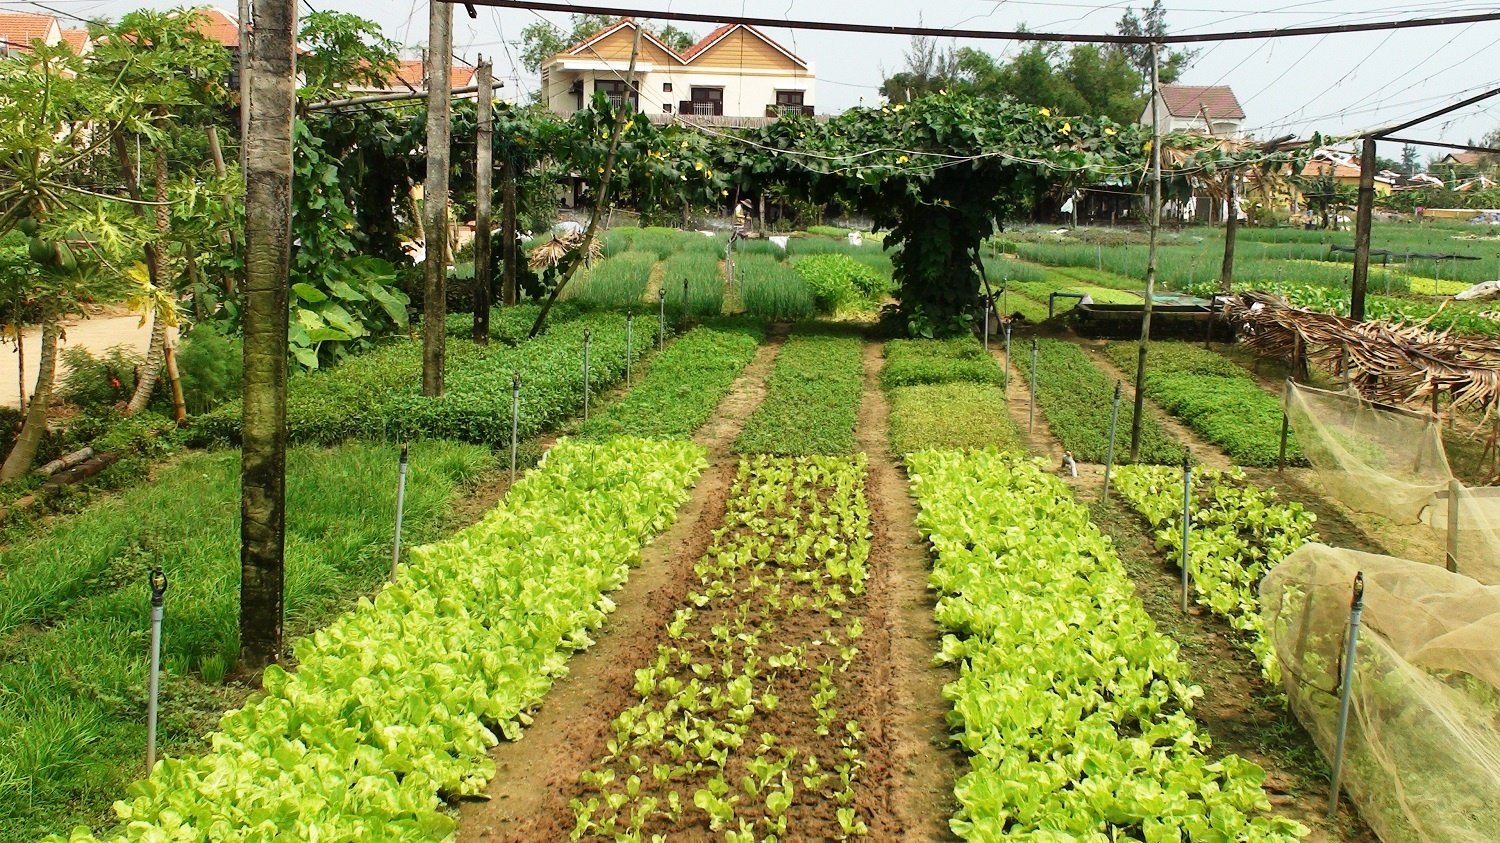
435,195
1140,365
1362,216
484,292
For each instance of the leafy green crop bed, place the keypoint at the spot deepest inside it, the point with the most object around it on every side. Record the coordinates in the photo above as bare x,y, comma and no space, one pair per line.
392,705
1075,397
694,284
771,289
739,731
377,395
1238,533
617,281
1072,707
685,384
913,362
950,416
1213,396
812,398
74,611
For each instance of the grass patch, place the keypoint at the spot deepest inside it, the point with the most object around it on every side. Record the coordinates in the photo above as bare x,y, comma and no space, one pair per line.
950,416
685,384
772,290
812,399
913,362
1215,397
1074,397
76,616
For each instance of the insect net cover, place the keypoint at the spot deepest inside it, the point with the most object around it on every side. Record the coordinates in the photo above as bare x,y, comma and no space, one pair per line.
1422,758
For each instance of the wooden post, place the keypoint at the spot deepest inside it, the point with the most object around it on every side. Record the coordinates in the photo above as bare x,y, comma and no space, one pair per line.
435,196
1140,365
217,153
484,133
509,248
268,251
1362,217
179,406
1231,227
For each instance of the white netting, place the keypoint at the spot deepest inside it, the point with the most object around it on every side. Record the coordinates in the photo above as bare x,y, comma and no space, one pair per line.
1392,463
1423,751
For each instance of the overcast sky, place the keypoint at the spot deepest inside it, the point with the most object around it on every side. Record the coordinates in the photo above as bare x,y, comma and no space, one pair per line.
1336,84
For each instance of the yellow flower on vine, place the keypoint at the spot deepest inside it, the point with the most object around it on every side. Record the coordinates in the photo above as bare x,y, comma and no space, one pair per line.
903,159
1109,132
1045,112
1067,127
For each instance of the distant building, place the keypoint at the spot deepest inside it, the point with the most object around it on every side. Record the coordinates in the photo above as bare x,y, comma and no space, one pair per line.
734,73
1204,109
411,76
1344,169
20,30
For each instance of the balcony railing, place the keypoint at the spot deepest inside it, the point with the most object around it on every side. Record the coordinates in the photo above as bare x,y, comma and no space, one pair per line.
698,108
788,110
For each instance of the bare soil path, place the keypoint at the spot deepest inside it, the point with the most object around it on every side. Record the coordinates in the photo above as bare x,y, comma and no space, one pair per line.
912,798
526,799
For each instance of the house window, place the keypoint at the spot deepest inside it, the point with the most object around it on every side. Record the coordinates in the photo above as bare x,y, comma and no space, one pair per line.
615,90
789,99
707,102
666,87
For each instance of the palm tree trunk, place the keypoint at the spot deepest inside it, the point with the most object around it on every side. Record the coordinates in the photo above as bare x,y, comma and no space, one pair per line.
435,199
268,237
21,455
156,352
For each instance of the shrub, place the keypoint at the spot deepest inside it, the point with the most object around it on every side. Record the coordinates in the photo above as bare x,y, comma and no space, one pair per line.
839,281
211,367
90,381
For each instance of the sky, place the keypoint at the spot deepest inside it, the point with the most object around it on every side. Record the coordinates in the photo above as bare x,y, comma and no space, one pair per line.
1334,84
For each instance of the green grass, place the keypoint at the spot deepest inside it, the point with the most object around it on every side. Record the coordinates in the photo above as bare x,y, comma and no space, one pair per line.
759,247
686,382
914,362
663,241
772,290
1074,396
694,284
377,395
812,399
950,416
1214,397
619,281
75,611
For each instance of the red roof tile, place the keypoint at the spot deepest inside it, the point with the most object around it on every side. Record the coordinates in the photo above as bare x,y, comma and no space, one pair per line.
413,73
219,26
1188,100
75,38
687,55
19,29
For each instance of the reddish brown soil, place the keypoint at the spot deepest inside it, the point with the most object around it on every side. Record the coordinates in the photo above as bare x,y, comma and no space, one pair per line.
911,797
527,798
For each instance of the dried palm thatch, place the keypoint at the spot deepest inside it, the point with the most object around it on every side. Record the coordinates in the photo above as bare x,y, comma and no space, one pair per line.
1394,364
551,253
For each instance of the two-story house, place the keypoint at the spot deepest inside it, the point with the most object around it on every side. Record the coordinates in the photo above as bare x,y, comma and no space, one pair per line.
1204,109
734,72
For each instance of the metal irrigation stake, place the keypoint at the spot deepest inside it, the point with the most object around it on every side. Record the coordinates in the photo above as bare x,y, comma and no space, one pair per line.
515,421
1005,375
1286,424
1031,410
661,326
588,334
400,509
629,332
158,582
1346,688
989,302
1452,551
1187,523
1114,421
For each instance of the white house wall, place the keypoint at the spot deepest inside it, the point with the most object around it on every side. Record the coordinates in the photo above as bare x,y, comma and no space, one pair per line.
745,94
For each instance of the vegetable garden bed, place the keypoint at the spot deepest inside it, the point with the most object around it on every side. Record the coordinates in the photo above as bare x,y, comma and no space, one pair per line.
1072,707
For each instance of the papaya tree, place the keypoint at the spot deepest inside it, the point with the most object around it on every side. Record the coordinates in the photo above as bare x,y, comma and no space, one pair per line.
57,120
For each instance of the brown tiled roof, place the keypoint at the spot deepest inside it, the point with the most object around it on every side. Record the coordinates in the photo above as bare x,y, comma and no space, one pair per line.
1469,159
19,29
219,26
691,52
687,55
75,38
413,73
1188,100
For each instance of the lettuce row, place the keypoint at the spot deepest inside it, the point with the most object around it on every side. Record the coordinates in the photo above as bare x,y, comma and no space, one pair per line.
1072,707
1239,532
394,704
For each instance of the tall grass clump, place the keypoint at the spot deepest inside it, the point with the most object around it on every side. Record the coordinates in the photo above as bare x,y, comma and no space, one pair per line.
760,247
619,281
662,241
770,289
619,239
692,241
694,284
